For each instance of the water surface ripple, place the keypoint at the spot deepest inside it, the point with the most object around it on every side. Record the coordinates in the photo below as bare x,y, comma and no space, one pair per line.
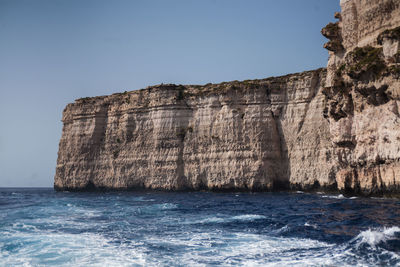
40,227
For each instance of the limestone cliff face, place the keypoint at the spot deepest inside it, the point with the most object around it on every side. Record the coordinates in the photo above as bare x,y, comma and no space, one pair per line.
250,135
337,128
363,95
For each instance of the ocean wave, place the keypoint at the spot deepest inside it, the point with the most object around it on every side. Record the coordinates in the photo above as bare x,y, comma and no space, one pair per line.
193,248
155,208
238,218
166,206
340,196
24,227
248,217
374,237
281,230
307,224
198,230
334,197
244,249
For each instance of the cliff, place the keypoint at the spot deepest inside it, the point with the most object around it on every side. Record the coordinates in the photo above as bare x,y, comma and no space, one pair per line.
363,93
251,135
336,128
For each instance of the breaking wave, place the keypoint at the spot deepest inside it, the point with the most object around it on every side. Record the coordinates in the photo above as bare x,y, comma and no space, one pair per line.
374,237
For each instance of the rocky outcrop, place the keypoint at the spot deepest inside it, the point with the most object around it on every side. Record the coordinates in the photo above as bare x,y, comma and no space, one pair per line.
337,128
363,93
251,135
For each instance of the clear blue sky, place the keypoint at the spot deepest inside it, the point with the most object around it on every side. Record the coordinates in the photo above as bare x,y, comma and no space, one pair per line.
53,51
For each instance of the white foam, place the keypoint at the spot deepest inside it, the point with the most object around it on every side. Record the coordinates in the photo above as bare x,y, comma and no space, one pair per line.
195,249
221,219
340,196
63,249
334,197
310,225
155,207
373,237
244,249
167,206
21,225
248,217
282,230
210,220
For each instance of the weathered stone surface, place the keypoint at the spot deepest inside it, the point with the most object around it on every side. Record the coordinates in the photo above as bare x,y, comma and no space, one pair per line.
336,128
363,20
251,135
363,97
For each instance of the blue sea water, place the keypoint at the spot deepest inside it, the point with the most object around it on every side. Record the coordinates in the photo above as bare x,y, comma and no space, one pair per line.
40,227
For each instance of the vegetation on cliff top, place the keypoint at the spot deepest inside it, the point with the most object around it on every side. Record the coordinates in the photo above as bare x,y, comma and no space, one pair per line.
185,91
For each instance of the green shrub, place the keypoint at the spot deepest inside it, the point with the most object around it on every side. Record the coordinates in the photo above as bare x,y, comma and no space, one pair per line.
340,70
363,60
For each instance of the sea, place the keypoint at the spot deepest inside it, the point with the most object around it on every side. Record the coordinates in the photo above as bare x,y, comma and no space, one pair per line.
41,227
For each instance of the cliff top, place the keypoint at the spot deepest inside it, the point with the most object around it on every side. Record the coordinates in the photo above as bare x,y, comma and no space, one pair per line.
206,89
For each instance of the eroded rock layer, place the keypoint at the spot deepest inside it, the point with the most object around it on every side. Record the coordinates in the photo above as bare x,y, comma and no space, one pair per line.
250,135
337,128
363,95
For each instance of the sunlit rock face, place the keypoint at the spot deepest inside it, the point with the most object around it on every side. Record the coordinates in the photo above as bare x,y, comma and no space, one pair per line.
363,93
337,128
251,135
